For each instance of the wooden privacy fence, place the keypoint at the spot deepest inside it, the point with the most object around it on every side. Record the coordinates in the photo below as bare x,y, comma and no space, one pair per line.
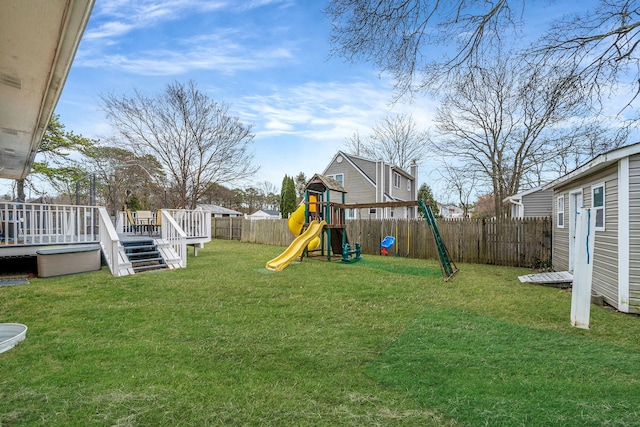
508,242
226,228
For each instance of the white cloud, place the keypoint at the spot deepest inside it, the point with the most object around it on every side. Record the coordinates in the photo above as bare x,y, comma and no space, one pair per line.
109,30
127,15
219,54
326,111
224,49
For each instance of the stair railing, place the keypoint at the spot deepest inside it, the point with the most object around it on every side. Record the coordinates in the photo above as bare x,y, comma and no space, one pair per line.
173,233
109,241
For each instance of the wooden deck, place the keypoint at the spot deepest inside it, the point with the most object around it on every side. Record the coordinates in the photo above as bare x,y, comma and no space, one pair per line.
30,245
559,279
26,228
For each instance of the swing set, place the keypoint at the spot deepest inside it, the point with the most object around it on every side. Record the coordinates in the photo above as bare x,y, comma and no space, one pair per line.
324,223
390,240
447,266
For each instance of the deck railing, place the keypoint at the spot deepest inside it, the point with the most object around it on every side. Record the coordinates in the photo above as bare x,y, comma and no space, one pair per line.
30,225
37,224
195,223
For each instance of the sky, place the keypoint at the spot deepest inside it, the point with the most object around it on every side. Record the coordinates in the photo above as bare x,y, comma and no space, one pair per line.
269,60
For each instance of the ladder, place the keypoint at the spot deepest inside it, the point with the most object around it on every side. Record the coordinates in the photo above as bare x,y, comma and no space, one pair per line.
447,266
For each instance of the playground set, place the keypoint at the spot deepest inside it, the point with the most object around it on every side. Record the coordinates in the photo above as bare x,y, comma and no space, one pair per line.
320,227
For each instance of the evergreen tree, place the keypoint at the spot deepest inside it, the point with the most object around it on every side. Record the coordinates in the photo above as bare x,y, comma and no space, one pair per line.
287,196
53,164
301,182
425,193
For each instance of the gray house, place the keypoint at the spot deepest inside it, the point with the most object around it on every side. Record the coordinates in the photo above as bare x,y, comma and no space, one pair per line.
532,203
609,185
374,181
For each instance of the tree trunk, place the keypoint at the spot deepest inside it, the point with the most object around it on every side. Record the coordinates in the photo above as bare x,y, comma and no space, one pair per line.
20,189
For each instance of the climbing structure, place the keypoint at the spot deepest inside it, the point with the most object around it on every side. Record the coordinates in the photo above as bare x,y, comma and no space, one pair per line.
319,192
319,225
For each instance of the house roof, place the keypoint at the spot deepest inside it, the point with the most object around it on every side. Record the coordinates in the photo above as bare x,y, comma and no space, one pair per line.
215,209
518,196
350,159
268,212
39,41
597,163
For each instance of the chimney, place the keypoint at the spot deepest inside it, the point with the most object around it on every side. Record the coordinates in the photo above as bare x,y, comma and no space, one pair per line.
414,173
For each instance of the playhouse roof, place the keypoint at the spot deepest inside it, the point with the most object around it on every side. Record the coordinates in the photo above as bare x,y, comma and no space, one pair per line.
320,183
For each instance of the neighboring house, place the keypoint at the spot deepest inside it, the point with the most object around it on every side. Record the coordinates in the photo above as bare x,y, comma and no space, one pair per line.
609,185
450,211
374,181
219,211
264,214
533,203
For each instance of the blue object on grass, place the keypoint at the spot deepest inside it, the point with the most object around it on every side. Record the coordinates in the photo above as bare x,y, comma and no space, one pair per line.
387,242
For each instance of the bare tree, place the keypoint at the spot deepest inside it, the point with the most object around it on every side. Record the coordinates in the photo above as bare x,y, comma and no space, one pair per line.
270,195
193,137
396,35
461,182
121,176
502,124
394,139
599,44
355,145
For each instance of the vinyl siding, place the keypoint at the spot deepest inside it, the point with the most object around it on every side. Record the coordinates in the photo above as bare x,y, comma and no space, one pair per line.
367,166
357,173
400,193
634,234
560,254
358,189
605,264
538,204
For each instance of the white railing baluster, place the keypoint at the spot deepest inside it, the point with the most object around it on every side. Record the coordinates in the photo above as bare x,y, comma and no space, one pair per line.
37,223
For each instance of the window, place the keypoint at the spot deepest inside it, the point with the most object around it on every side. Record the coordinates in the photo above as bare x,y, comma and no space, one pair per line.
560,211
408,185
338,177
597,203
396,179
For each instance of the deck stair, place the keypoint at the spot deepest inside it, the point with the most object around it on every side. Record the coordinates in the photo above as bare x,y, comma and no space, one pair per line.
144,255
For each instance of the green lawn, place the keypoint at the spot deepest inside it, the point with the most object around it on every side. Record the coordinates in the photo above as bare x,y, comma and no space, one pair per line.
380,342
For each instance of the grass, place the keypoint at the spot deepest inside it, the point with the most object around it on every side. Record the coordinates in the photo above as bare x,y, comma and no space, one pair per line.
379,342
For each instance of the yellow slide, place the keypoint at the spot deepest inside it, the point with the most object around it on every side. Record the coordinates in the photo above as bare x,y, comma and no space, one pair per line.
296,220
296,247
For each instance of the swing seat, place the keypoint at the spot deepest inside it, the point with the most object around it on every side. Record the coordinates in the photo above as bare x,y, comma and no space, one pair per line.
387,242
